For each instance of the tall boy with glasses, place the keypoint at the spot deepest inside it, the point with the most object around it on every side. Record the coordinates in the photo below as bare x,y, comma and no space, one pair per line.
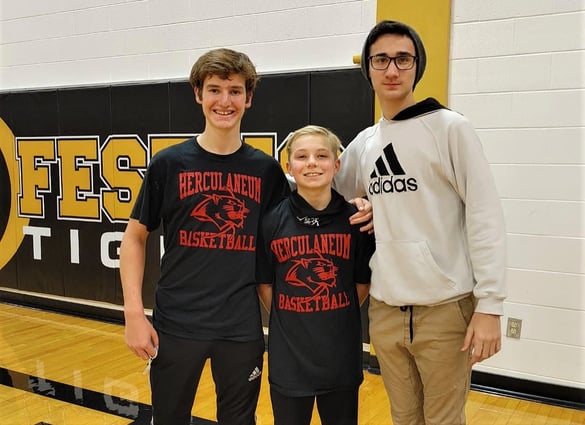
438,270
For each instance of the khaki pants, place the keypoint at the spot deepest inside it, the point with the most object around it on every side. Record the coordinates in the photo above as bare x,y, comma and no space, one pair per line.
426,375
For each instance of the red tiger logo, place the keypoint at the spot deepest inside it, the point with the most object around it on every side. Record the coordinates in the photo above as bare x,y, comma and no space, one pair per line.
226,212
317,274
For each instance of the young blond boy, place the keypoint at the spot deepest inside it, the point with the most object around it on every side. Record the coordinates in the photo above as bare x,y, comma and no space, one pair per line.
314,273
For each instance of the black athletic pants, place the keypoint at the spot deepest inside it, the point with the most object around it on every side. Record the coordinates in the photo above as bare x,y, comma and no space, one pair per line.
175,372
335,408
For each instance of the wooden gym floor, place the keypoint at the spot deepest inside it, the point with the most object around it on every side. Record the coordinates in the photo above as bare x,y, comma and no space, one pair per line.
59,369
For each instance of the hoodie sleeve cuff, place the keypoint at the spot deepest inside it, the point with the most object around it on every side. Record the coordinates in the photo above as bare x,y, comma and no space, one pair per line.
490,306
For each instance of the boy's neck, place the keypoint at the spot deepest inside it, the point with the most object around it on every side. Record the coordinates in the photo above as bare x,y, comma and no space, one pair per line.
391,108
221,142
318,199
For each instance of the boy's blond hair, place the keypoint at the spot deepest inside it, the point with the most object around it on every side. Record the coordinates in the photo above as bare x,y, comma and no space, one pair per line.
315,130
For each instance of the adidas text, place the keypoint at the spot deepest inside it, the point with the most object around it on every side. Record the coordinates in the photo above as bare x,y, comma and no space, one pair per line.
392,185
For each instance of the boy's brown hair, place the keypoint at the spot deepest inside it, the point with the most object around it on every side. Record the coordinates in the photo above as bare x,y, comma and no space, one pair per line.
223,63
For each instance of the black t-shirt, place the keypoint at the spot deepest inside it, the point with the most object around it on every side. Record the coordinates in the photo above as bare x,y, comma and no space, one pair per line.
210,207
313,259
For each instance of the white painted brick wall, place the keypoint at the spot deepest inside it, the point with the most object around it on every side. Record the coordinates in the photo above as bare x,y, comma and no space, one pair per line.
518,73
71,43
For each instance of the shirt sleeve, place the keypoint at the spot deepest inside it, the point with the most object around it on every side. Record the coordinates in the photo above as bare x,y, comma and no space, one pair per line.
348,181
278,186
148,205
264,259
365,247
486,233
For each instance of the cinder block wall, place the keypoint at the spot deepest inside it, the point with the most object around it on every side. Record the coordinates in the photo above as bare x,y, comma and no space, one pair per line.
60,43
518,72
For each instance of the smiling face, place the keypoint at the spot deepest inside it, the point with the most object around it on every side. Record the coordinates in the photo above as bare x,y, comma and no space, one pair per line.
223,101
312,163
393,86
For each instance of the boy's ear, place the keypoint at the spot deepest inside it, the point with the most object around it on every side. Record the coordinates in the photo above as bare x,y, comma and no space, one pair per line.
288,167
197,93
249,99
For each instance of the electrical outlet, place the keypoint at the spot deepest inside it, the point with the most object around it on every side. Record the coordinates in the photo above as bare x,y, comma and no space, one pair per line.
514,328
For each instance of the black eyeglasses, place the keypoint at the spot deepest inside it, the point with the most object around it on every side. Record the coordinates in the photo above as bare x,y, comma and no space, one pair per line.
382,62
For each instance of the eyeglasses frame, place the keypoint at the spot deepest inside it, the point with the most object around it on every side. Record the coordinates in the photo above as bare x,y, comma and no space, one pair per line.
392,59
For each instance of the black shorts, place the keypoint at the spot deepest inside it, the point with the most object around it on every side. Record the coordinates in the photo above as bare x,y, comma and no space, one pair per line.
175,372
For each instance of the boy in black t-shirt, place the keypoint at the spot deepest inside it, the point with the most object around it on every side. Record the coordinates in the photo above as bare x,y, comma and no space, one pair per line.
309,261
209,192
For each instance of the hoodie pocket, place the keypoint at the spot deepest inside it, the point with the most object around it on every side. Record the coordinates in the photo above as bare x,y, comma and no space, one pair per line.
405,273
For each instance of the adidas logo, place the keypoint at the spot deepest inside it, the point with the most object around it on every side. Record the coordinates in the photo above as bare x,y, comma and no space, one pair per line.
255,374
394,184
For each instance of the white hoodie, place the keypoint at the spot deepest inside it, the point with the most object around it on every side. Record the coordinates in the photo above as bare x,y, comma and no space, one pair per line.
437,216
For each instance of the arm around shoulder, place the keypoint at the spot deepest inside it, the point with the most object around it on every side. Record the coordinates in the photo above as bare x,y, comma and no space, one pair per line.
348,181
